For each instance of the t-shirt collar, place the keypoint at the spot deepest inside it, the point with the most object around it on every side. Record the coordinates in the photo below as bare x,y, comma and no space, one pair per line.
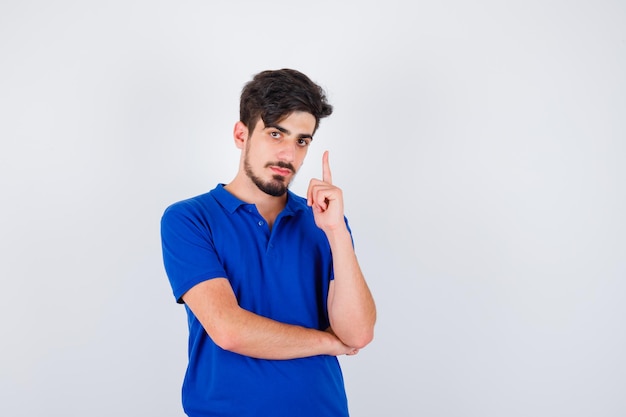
232,203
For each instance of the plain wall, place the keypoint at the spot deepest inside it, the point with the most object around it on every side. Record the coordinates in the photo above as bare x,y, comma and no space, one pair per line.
480,146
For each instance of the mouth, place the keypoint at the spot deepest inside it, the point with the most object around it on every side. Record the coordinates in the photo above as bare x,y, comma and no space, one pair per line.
280,171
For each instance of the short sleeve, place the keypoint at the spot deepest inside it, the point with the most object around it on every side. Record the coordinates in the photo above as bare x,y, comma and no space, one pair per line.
189,255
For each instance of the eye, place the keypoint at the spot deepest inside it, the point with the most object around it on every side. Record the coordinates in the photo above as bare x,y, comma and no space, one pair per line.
304,142
275,134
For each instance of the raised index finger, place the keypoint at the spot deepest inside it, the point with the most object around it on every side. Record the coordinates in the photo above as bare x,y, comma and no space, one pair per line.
326,175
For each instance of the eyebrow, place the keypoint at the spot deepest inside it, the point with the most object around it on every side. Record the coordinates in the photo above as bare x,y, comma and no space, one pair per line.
287,132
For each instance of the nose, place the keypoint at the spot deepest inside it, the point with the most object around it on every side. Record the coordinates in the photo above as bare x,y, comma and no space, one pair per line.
287,151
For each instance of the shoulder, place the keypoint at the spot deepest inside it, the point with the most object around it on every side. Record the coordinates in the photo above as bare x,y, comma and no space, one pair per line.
189,206
198,211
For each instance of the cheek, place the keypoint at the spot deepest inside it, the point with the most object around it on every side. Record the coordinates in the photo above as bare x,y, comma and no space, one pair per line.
302,156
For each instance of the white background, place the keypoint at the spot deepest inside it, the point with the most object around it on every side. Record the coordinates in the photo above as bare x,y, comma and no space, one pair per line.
480,146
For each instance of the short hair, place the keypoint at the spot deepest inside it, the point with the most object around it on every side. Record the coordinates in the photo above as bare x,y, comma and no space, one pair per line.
273,95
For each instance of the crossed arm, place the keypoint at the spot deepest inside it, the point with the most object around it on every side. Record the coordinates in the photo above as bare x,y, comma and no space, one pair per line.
350,307
238,330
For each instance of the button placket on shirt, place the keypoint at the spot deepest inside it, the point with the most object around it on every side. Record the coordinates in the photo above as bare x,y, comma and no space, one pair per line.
269,234
260,222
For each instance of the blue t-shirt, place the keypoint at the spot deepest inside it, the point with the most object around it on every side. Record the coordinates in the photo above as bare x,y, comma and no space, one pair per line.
282,274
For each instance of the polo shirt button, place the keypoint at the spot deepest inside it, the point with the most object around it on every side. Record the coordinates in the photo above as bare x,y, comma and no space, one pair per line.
261,223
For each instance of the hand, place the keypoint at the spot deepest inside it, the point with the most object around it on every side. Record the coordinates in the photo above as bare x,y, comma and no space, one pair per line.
340,348
326,199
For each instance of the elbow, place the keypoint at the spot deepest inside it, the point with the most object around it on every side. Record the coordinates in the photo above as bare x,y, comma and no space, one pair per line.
358,340
224,338
224,331
226,341
363,340
355,335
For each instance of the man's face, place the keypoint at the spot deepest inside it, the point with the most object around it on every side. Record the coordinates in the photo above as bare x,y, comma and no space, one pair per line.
275,153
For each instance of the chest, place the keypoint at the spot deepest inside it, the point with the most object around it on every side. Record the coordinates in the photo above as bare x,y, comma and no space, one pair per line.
282,273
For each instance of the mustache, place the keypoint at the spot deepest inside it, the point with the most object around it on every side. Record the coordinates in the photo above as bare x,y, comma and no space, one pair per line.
281,164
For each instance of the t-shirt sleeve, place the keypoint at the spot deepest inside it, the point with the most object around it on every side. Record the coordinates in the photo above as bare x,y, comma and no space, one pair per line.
189,255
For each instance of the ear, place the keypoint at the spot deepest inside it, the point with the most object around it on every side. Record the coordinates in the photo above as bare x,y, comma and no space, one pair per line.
240,134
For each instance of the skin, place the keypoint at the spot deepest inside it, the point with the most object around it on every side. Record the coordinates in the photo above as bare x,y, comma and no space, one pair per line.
266,152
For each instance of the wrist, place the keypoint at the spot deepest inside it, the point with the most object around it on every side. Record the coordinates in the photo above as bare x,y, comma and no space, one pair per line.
337,233
329,343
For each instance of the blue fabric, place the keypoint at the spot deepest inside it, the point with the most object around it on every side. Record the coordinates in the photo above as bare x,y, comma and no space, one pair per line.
282,274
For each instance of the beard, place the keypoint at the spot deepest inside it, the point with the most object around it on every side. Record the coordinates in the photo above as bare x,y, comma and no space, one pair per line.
277,187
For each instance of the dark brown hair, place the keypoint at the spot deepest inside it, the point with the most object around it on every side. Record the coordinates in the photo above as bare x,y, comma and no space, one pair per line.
273,95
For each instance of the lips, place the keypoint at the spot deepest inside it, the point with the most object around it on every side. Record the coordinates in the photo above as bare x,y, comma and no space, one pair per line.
280,171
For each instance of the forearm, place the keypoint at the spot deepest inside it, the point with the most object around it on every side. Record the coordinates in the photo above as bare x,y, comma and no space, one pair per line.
351,307
235,329
252,335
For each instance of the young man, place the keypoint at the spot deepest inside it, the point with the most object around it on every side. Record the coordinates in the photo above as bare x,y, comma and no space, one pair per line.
270,280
